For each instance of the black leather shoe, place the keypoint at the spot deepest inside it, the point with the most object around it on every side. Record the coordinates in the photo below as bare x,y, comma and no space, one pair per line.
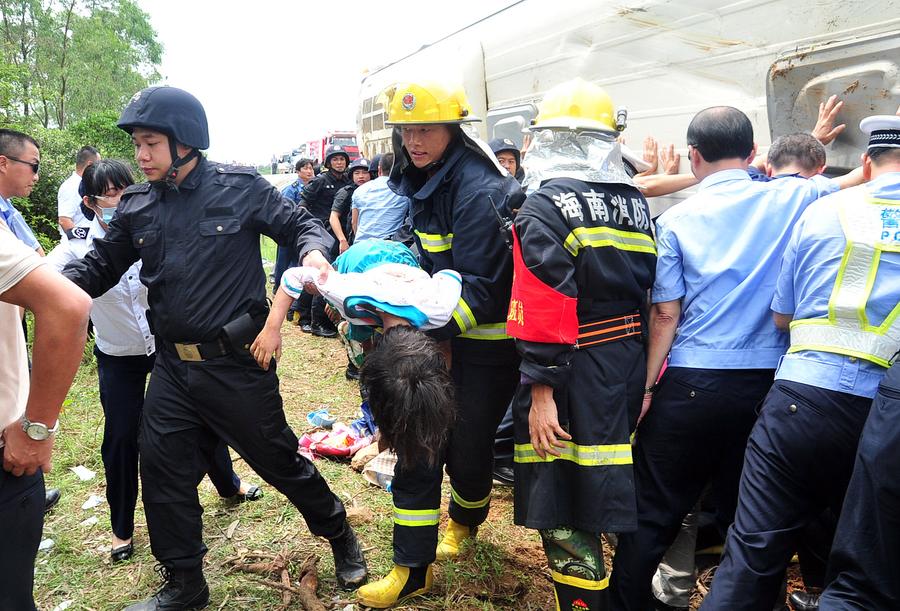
503,476
51,498
352,372
349,563
184,590
323,331
254,493
122,553
804,601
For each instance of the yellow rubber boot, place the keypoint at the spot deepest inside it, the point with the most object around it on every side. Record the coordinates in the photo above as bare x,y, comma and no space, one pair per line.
401,583
455,534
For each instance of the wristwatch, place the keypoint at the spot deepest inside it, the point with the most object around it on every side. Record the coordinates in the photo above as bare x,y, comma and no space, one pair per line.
38,430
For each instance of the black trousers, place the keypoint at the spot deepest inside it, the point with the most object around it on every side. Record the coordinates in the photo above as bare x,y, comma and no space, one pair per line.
504,441
864,566
122,382
798,462
189,407
485,378
694,434
21,523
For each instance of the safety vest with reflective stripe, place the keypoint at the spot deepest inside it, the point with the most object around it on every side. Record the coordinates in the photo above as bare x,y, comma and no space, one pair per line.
586,456
871,227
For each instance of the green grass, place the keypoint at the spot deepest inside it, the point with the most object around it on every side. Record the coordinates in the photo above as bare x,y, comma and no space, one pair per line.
268,248
505,569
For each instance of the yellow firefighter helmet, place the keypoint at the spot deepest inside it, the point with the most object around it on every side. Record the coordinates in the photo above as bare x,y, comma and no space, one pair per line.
578,105
429,102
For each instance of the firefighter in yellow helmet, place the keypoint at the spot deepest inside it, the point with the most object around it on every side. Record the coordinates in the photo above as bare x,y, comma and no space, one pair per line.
584,262
459,197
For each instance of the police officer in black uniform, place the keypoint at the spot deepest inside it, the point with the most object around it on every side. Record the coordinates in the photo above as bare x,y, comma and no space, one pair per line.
318,197
195,226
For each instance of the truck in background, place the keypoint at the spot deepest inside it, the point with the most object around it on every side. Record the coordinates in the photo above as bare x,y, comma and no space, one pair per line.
315,149
665,60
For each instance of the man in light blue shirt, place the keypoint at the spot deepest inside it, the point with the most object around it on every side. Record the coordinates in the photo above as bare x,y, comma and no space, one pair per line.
719,253
378,212
842,265
16,223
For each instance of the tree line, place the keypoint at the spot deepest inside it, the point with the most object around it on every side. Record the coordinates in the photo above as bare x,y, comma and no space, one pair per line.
67,68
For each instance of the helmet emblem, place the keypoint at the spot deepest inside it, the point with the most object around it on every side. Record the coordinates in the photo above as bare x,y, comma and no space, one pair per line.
507,142
408,101
136,97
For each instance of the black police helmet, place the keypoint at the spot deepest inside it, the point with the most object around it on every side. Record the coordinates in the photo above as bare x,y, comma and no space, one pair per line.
169,110
331,151
498,145
359,164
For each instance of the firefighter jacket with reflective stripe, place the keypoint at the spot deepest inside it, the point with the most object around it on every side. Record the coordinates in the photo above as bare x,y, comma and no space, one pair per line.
589,248
871,227
454,215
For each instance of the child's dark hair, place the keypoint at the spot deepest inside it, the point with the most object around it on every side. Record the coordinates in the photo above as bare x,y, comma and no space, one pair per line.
410,394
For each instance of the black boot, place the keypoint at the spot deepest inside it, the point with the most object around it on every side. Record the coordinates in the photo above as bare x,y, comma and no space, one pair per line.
804,601
184,590
349,563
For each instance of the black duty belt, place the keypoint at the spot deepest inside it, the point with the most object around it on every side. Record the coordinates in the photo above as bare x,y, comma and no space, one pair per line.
199,352
608,329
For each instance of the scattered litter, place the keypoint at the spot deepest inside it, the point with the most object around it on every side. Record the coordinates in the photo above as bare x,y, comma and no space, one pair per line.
380,470
321,418
93,501
365,425
90,521
64,605
45,545
83,473
364,456
340,442
229,533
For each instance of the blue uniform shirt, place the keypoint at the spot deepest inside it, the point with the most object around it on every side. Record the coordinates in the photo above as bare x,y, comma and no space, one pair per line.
293,191
804,287
720,251
16,223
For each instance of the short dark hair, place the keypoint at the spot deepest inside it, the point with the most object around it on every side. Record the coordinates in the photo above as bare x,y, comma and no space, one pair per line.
84,155
799,148
721,132
99,176
11,142
884,154
304,162
386,163
411,394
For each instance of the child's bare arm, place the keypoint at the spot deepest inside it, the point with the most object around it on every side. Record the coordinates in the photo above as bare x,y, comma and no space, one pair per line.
268,343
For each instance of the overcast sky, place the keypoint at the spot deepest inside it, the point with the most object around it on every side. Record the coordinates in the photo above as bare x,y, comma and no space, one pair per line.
273,73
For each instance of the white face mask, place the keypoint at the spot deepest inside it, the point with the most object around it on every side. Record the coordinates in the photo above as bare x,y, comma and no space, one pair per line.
107,214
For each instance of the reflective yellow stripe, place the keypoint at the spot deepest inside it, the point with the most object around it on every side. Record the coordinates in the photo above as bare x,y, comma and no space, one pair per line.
469,504
595,237
578,582
463,316
417,517
586,456
493,330
435,242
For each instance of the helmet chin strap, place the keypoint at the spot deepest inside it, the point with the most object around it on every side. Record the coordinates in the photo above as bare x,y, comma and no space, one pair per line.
172,173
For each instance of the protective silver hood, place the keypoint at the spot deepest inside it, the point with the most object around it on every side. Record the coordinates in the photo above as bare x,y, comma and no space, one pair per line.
587,156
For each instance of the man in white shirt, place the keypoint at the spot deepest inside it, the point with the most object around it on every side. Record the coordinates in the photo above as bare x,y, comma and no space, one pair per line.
28,413
72,222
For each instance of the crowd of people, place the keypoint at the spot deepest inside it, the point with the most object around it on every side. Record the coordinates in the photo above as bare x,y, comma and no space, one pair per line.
518,315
